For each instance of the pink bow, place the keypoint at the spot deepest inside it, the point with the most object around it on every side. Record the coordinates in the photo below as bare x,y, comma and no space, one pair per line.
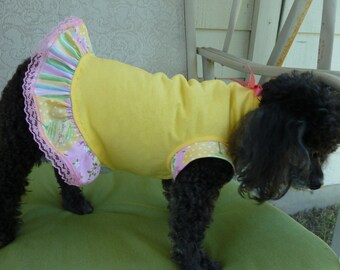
251,84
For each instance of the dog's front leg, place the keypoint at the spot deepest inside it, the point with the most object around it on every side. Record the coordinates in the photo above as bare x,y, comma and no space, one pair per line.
191,201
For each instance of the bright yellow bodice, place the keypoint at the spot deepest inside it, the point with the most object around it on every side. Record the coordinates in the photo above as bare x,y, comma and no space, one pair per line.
136,121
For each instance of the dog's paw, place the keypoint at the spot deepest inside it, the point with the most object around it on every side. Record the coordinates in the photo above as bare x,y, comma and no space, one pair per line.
208,264
195,261
82,207
9,227
5,239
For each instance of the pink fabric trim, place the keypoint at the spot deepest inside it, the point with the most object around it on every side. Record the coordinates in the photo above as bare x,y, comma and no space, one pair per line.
78,165
50,38
59,162
197,150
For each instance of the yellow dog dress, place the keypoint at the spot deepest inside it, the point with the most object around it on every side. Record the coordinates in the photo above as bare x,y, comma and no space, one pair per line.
87,112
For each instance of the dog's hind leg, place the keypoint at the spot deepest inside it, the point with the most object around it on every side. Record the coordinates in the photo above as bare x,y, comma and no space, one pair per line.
18,154
191,201
73,198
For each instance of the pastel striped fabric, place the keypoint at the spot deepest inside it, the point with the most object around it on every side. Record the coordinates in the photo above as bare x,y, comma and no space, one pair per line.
47,90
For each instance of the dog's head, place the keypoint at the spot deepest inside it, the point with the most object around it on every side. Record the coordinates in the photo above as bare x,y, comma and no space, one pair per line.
286,141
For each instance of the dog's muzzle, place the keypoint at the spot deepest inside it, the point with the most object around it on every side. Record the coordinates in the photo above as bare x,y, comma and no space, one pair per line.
316,183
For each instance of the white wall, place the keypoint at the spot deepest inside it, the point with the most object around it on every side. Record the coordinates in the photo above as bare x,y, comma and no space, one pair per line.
211,22
304,50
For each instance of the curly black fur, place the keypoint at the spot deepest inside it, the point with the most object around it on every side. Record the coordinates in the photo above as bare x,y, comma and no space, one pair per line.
191,202
288,138
283,143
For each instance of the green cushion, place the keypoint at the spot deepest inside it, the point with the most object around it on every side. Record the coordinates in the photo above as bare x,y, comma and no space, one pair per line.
128,230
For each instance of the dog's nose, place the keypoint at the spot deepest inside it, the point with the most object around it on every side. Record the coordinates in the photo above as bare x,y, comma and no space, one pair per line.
316,179
315,186
316,183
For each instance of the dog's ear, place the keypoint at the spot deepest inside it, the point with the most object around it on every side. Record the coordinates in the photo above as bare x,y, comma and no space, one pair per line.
267,147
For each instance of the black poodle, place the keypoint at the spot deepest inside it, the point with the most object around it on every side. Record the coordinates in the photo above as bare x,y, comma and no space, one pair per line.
282,143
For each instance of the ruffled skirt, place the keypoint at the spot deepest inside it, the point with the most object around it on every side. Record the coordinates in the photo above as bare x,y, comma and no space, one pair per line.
48,105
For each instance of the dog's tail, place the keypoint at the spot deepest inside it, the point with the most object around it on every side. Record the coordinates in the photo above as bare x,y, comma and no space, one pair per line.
13,126
14,85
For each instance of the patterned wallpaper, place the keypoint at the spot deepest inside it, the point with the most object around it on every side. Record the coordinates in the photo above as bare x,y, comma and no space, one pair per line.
146,33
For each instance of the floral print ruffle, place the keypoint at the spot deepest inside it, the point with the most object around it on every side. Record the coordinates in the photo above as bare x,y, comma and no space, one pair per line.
47,90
